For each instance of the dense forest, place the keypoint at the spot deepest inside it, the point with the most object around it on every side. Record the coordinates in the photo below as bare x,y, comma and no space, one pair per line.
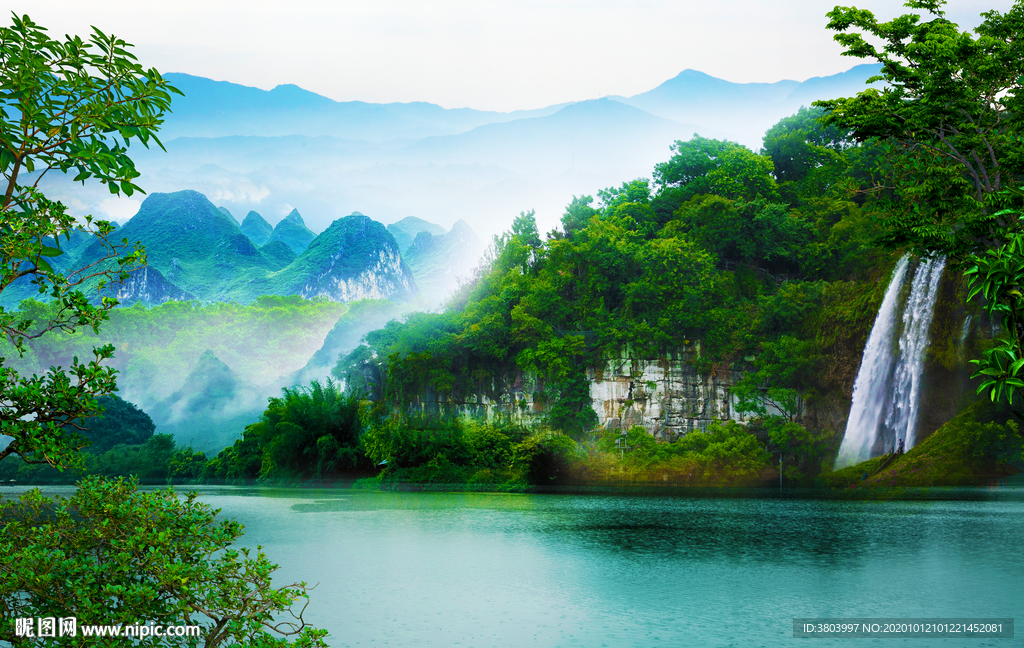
767,263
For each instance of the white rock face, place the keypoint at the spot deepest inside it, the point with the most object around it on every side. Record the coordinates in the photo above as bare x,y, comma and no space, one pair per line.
382,279
666,395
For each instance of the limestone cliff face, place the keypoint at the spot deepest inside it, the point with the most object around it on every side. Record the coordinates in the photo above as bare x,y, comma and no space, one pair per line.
385,277
664,394
355,258
148,286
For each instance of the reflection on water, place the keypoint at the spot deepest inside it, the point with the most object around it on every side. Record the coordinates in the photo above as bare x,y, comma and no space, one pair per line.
480,569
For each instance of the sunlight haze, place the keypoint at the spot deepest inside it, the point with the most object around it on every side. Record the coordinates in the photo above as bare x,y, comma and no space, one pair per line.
486,55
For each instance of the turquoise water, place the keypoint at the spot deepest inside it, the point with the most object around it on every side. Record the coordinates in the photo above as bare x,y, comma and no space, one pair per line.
480,569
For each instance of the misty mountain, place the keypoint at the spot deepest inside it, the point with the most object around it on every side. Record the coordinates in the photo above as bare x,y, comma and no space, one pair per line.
211,408
274,151
440,261
363,317
590,136
405,230
196,251
219,108
743,110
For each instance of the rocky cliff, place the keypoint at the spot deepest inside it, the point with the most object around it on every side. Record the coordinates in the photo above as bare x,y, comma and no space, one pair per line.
355,258
664,394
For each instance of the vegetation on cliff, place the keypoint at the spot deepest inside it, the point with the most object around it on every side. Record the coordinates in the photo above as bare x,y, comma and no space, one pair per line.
981,444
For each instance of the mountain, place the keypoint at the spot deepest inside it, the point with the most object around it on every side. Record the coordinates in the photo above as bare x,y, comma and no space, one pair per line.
256,228
405,230
292,231
364,316
439,261
590,136
211,408
193,245
148,286
743,110
195,251
219,108
279,252
226,212
355,258
264,150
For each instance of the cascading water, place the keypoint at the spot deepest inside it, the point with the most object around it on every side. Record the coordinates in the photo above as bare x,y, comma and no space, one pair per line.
870,389
887,391
901,419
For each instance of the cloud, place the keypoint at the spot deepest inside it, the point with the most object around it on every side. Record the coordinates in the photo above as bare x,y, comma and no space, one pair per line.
119,208
249,193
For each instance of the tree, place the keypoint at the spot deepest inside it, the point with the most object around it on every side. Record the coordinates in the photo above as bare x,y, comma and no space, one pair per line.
800,143
951,115
111,555
707,166
997,275
67,106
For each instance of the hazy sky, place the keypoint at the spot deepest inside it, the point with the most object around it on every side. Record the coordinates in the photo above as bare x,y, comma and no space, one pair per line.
484,54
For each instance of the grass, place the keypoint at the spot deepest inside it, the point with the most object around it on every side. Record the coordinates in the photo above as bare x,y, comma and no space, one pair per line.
980,445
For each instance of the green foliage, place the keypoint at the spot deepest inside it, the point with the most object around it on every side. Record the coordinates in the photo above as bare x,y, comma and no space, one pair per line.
998,276
429,450
572,411
308,432
757,232
782,372
706,166
577,215
120,422
801,144
113,555
950,116
724,452
65,105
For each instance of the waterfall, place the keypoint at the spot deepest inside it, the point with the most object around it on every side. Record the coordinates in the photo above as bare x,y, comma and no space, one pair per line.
870,389
901,419
887,391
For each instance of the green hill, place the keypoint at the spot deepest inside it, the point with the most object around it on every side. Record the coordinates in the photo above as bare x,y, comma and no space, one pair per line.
355,258
257,228
293,232
227,212
439,261
196,251
980,445
193,245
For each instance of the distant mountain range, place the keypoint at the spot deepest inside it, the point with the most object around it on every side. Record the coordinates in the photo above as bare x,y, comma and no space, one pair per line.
276,151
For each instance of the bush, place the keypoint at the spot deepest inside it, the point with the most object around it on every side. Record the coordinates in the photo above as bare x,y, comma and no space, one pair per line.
113,555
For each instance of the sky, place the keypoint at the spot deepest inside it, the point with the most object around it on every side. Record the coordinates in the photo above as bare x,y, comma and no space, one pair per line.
485,54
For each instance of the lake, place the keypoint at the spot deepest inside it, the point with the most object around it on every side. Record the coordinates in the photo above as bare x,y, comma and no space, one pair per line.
490,569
